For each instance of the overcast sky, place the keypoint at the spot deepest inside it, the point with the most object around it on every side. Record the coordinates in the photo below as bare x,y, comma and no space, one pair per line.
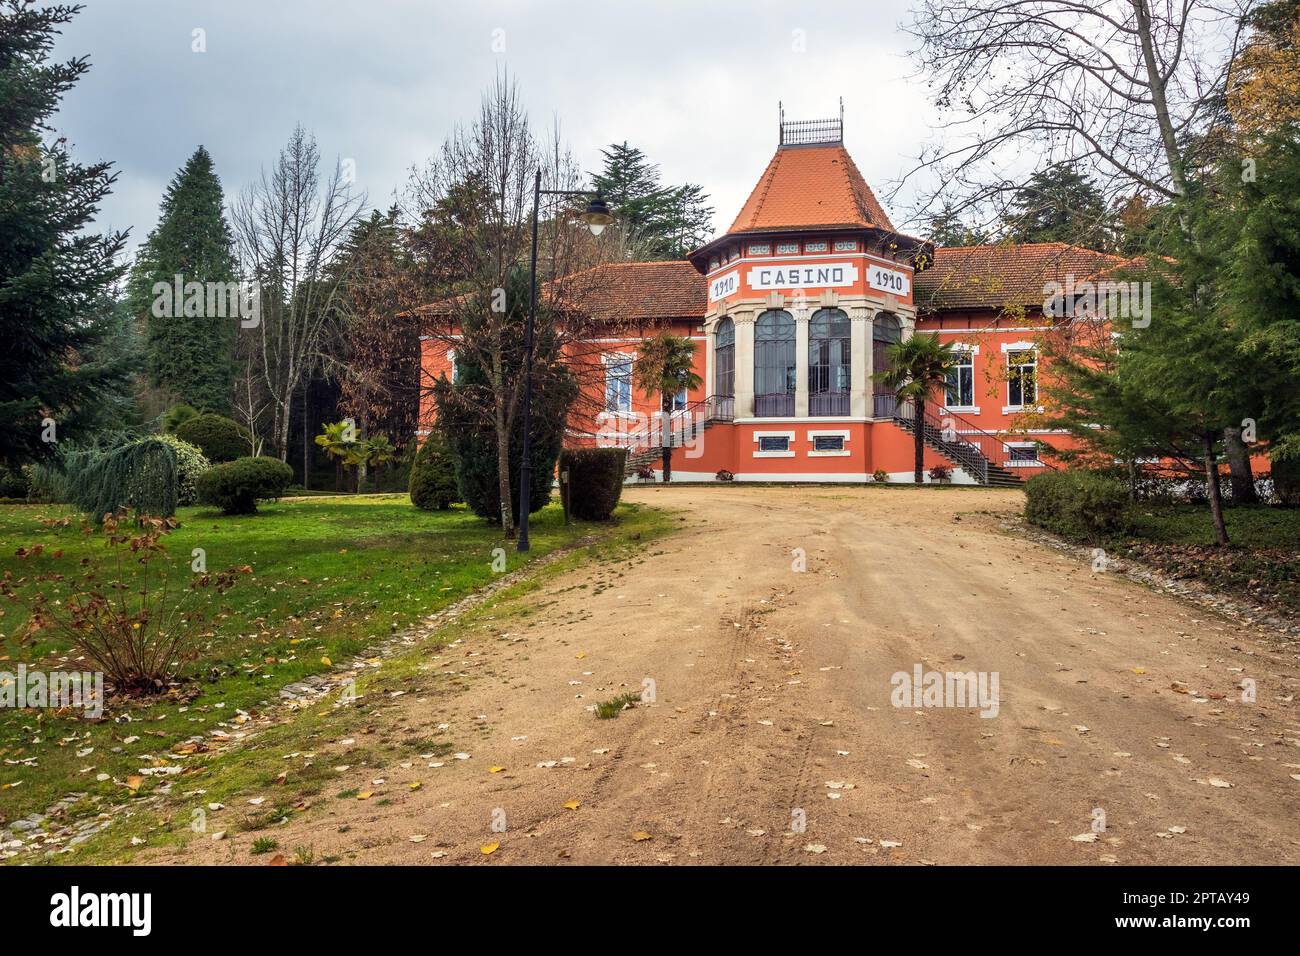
693,84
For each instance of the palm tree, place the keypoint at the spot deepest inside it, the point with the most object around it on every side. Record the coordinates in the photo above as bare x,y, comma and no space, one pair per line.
918,366
666,364
377,451
338,444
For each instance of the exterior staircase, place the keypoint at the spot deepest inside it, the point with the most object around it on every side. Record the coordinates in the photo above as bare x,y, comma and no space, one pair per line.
715,408
974,451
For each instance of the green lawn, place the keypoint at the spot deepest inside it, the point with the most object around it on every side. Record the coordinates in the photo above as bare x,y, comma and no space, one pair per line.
1262,561
330,576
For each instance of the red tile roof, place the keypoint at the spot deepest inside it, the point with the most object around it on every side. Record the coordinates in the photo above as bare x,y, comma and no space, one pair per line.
620,292
633,291
975,277
811,187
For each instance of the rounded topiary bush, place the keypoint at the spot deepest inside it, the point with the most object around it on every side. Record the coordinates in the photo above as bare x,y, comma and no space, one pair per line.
219,438
176,416
595,480
433,477
190,464
1081,505
236,486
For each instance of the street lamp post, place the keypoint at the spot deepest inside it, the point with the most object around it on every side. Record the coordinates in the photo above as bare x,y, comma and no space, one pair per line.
597,217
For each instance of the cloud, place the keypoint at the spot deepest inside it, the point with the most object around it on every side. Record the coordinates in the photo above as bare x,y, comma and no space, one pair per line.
694,85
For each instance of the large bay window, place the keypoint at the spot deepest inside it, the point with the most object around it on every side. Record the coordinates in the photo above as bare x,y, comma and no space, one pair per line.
724,358
829,362
774,365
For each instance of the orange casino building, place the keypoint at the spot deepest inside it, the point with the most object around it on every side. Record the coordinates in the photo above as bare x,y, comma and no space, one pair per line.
793,309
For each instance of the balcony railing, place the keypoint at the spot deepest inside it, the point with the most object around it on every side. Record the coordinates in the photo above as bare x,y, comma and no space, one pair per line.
775,405
825,404
720,408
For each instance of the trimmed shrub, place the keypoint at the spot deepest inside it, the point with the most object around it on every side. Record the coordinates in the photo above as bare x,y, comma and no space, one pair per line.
220,439
177,415
13,483
433,477
1081,505
1286,481
236,486
190,464
595,480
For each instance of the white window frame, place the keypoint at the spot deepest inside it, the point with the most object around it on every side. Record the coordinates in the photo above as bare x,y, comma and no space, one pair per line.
618,359
841,433
788,453
968,353
1007,349
1013,463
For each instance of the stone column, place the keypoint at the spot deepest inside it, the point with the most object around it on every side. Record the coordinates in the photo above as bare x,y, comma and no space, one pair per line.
801,363
744,322
860,384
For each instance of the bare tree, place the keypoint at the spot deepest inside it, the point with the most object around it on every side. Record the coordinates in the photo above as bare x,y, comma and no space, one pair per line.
1121,87
288,227
471,212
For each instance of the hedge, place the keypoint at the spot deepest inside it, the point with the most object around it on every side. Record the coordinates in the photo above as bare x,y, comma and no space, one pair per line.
219,438
595,480
433,477
235,486
1080,505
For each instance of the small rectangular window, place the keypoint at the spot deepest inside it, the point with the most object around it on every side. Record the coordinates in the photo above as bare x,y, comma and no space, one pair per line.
828,443
759,248
773,443
846,245
1023,452
787,248
814,247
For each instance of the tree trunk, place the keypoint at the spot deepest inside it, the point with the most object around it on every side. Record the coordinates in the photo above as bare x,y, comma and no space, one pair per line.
918,426
306,437
1159,102
666,437
1212,485
1243,480
338,474
1132,480
503,467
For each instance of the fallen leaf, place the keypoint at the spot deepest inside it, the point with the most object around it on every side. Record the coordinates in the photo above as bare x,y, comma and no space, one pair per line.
641,836
571,804
487,849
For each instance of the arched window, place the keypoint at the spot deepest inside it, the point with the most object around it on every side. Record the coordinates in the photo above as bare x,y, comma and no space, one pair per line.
724,358
774,367
829,363
885,331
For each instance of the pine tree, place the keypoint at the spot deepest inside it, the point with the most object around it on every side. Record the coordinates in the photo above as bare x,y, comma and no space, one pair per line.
191,358
1060,204
667,221
54,275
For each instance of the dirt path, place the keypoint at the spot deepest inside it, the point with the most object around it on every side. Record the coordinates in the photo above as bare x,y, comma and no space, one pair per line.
773,705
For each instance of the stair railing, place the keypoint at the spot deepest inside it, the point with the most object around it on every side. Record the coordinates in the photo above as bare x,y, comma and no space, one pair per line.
959,439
